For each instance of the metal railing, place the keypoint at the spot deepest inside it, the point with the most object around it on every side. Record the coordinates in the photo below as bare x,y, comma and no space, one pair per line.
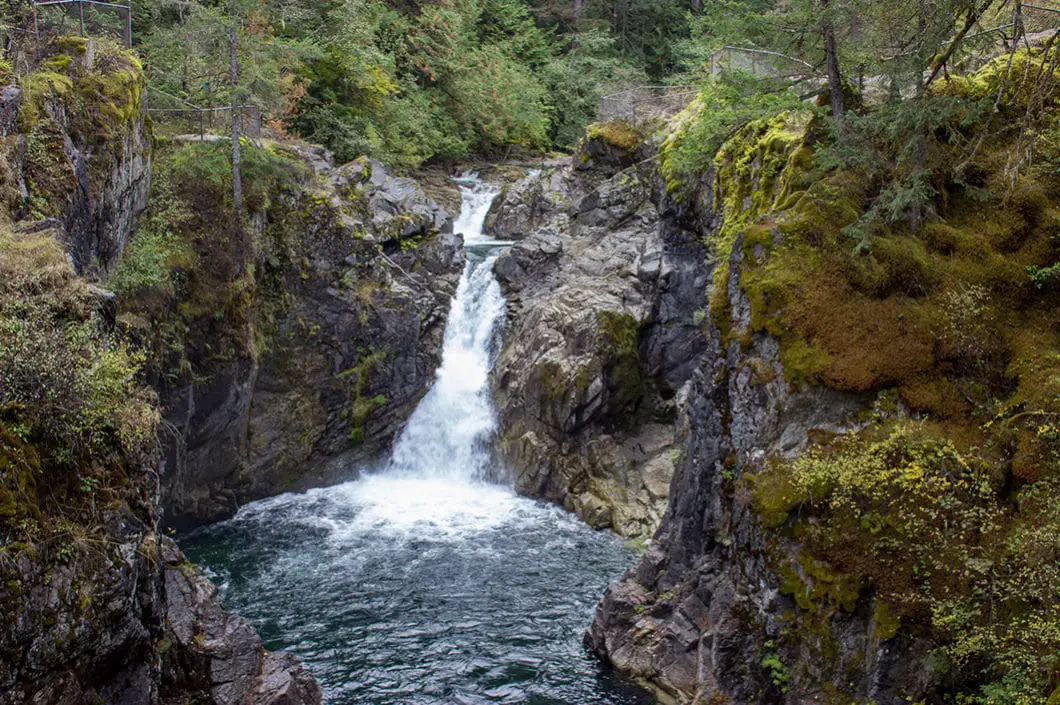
759,62
91,18
645,104
187,119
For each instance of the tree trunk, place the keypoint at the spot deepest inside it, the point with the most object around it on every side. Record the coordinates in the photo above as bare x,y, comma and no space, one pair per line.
835,77
576,12
237,180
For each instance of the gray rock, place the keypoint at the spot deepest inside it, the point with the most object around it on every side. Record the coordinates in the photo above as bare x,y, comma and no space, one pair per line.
217,653
365,272
531,204
601,335
704,605
10,104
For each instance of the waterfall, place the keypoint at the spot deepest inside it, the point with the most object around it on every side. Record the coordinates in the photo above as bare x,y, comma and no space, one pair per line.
424,583
447,435
476,197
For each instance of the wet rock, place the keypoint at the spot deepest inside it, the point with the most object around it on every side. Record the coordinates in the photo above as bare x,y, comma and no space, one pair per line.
122,618
365,270
601,335
219,654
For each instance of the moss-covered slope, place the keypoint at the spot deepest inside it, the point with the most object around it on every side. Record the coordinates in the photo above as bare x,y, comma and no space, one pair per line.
867,510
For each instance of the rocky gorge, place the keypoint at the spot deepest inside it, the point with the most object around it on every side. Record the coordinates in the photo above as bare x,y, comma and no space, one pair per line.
674,343
823,450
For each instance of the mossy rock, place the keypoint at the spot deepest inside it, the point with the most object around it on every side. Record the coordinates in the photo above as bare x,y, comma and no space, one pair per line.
609,147
817,586
617,133
19,472
618,344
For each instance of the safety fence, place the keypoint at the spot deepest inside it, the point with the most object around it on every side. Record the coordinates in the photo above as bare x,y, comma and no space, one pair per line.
193,121
644,104
84,18
759,62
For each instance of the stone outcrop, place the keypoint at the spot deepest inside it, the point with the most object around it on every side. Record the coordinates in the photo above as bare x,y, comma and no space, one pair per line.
96,604
605,327
703,618
356,272
625,398
131,621
530,204
809,553
78,149
220,654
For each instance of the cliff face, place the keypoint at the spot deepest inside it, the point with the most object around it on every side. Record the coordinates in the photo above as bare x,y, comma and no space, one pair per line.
292,352
606,323
98,605
868,444
711,611
78,150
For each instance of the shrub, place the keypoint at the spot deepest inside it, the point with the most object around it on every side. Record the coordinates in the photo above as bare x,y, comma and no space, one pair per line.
64,381
928,525
150,259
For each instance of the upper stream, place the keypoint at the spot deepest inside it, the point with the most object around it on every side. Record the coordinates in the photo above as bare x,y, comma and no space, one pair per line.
425,581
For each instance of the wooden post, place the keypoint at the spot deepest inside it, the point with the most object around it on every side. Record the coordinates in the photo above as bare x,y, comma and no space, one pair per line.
128,24
81,15
36,32
202,128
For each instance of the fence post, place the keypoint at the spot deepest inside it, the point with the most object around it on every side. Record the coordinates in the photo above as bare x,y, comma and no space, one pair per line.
128,24
36,32
202,128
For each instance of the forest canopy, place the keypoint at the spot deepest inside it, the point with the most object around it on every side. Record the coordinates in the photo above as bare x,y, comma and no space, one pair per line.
413,81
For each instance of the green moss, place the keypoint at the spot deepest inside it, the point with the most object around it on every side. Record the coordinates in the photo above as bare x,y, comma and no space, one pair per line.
36,88
885,623
816,585
58,63
19,472
774,494
619,344
617,133
74,46
361,405
802,361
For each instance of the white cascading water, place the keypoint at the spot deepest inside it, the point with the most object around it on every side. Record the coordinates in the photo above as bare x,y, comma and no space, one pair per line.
447,434
437,473
476,198
426,584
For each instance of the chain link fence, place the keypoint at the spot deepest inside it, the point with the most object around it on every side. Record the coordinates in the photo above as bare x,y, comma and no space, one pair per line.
646,104
758,62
